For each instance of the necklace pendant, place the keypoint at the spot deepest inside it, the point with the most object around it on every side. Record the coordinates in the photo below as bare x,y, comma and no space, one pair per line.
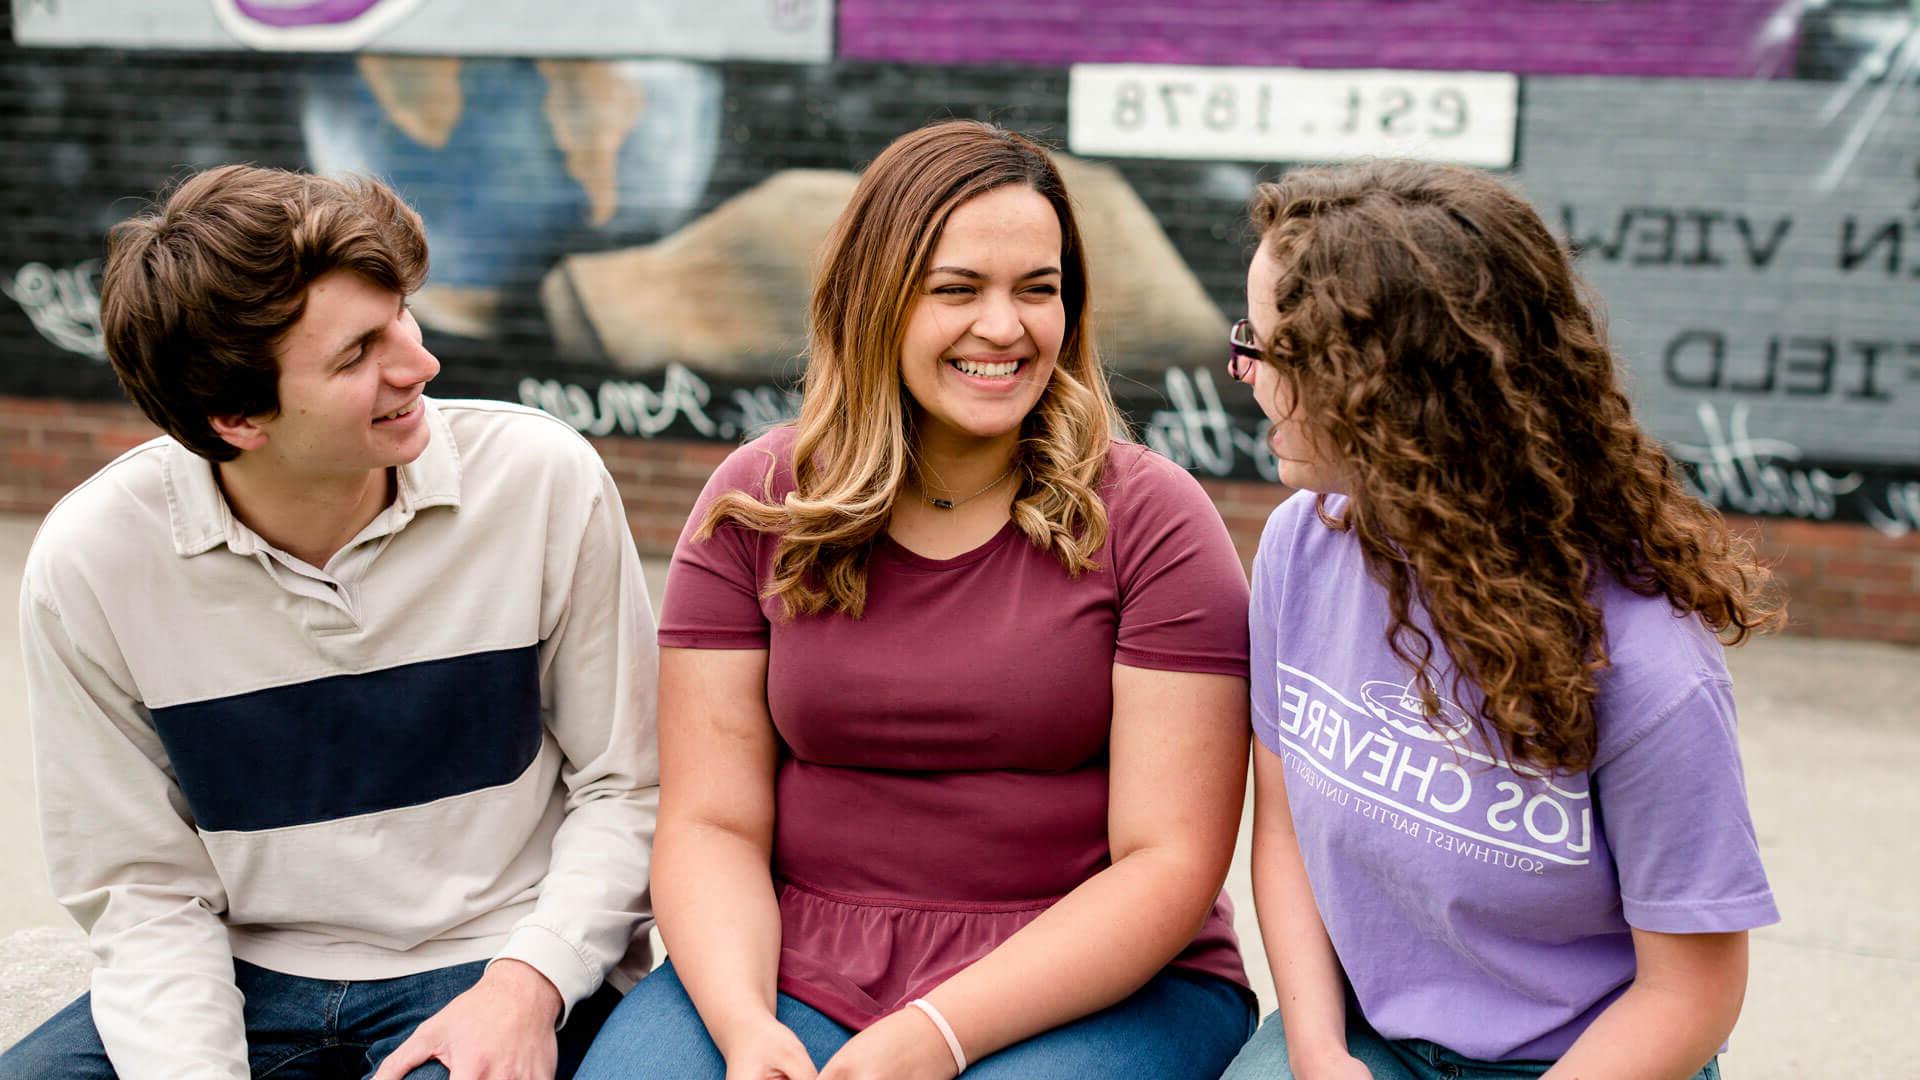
948,504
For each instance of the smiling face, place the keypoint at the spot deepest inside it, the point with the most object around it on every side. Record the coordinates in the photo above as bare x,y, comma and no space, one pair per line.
1305,463
984,333
351,373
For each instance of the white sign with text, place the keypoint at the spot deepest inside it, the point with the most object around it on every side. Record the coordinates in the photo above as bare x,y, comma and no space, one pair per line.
1292,114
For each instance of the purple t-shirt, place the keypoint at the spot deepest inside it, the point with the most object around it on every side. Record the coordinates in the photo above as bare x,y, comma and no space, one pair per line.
1472,905
943,768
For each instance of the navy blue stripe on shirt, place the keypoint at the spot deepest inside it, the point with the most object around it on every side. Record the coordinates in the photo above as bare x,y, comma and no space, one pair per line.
356,744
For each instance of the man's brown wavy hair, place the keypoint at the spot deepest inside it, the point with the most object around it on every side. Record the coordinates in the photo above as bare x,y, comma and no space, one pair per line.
198,291
1434,337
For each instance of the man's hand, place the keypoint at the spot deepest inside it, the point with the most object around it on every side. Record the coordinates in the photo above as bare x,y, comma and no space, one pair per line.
902,1046
500,1029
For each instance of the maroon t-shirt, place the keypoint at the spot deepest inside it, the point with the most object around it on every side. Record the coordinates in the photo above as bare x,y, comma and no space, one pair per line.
943,765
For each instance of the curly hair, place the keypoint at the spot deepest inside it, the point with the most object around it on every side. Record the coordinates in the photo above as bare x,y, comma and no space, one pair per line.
1435,340
855,448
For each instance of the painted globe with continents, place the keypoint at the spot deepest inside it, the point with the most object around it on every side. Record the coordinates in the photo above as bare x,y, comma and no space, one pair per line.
513,163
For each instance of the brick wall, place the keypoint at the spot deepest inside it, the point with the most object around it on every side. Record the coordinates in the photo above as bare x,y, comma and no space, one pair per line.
1843,580
1739,176
49,445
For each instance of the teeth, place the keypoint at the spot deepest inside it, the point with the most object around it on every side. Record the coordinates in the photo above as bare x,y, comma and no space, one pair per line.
400,412
988,371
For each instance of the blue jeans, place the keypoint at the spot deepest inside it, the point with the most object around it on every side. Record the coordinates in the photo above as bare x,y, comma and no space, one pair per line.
1265,1057
303,1029
1180,1026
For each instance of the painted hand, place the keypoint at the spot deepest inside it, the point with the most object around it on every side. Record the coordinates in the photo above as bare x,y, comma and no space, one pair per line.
500,1029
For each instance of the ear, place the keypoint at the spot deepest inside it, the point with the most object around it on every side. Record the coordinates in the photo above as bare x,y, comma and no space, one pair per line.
243,433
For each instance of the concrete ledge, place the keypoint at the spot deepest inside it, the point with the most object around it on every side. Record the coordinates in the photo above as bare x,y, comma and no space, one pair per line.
41,970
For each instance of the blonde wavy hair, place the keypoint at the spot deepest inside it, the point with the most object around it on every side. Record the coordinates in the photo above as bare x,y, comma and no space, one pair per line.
854,449
1432,331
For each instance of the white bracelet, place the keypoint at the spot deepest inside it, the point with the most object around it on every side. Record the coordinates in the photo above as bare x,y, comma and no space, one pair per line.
946,1032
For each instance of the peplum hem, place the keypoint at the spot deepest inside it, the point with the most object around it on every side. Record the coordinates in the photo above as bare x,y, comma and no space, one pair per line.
857,958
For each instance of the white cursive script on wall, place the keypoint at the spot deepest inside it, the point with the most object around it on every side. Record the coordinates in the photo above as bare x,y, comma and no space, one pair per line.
1735,471
1901,514
1732,469
64,305
631,407
1197,433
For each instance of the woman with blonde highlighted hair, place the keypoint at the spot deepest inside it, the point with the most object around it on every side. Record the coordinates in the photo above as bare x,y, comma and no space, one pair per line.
1499,826
953,704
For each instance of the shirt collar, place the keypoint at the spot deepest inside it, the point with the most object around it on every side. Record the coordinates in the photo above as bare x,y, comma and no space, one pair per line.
202,520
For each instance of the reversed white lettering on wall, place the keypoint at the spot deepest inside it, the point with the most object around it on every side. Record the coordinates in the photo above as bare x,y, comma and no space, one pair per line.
1291,114
64,305
1197,433
631,407
1735,471
1731,469
1901,513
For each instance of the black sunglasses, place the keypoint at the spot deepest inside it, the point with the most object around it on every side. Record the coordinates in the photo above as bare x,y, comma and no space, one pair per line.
1246,350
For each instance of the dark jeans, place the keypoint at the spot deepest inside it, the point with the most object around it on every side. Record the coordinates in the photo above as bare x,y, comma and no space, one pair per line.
303,1029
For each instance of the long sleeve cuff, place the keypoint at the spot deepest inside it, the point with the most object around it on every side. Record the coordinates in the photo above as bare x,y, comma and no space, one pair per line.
550,954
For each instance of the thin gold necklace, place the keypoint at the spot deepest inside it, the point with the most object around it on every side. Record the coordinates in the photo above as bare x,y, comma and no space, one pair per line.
949,504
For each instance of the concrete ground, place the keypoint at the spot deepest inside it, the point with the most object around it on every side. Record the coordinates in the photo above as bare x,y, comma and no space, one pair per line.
1830,740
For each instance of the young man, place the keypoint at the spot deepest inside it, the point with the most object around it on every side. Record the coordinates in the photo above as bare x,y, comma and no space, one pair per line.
342,697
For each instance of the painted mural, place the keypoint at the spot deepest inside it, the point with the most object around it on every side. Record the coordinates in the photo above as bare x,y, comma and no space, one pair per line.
625,237
1699,38
790,30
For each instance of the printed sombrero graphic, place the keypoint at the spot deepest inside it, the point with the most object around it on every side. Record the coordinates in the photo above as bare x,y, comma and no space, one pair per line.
310,24
1399,704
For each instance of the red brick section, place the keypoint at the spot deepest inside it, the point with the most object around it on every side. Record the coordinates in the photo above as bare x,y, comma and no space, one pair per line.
1844,581
48,446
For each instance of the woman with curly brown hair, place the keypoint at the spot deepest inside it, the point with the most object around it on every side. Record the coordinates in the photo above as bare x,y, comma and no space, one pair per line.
953,706
1500,827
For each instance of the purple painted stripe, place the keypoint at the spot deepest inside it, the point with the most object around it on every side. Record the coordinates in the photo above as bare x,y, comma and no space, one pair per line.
317,13
1698,38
